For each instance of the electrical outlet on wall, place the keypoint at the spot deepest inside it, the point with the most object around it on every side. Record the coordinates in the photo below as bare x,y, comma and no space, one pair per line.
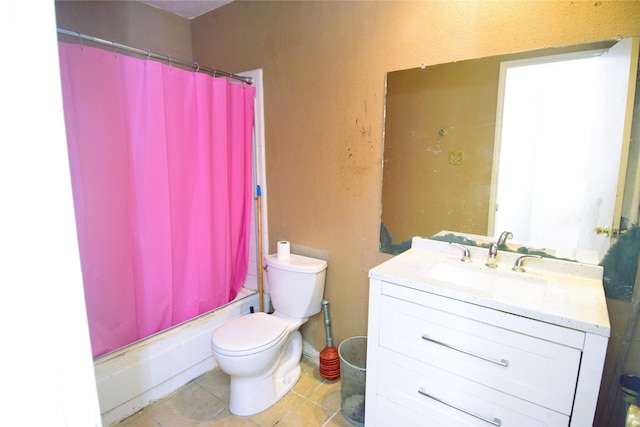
248,308
455,157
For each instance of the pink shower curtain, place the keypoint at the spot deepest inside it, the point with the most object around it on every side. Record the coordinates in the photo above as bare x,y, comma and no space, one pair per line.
161,168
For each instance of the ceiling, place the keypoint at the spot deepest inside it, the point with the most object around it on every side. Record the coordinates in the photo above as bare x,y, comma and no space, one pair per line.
187,8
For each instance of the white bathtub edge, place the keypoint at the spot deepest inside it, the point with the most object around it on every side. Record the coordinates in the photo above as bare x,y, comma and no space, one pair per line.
130,379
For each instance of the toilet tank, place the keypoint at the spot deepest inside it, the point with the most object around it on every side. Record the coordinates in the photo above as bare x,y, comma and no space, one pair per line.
296,284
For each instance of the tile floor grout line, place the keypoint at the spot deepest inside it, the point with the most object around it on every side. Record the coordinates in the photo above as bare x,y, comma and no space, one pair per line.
328,420
319,393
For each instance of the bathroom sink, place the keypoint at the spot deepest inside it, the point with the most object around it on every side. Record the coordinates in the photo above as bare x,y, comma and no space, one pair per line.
486,282
552,290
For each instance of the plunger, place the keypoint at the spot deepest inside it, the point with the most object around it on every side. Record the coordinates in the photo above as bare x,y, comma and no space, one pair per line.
329,357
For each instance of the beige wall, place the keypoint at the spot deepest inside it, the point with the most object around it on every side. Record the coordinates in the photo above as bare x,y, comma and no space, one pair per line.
324,70
324,66
127,22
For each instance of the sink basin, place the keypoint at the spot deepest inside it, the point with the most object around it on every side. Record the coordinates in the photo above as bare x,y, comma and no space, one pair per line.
482,281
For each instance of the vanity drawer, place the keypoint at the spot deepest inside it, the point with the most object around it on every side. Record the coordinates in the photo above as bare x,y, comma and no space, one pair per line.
431,396
524,366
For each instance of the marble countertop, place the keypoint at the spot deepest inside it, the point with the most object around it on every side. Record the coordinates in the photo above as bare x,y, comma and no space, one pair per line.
559,292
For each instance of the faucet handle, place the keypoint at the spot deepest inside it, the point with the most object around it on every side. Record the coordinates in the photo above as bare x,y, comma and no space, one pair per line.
517,266
466,255
491,258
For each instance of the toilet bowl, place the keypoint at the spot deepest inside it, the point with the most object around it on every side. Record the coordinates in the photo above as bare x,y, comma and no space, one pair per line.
262,352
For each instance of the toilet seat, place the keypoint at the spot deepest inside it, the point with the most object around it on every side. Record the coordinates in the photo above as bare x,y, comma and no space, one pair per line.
249,334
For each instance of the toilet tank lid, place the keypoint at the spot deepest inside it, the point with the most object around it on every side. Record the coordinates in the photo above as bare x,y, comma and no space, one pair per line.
298,263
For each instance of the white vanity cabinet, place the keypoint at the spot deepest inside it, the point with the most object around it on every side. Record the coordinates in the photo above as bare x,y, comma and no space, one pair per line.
444,354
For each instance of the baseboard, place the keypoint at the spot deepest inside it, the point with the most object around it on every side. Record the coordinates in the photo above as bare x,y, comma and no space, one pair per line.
310,353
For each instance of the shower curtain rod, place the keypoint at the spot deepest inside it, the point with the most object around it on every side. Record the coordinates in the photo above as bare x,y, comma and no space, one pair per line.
165,58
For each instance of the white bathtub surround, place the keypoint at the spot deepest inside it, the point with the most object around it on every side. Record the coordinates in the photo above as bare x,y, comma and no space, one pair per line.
131,378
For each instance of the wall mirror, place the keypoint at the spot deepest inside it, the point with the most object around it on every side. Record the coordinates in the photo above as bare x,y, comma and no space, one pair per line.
482,145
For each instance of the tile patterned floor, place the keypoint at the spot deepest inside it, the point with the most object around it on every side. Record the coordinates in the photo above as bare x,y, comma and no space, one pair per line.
314,401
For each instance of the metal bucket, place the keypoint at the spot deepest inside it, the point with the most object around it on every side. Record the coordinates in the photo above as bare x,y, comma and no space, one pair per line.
353,371
630,385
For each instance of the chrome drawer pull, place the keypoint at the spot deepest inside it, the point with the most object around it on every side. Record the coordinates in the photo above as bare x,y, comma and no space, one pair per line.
496,421
500,362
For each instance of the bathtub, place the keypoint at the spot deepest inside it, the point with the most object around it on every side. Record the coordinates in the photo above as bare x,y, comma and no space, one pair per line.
130,378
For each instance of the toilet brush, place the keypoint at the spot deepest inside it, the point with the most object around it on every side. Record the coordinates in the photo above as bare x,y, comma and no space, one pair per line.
329,357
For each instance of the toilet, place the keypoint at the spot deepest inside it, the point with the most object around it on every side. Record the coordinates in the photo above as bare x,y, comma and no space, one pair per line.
261,352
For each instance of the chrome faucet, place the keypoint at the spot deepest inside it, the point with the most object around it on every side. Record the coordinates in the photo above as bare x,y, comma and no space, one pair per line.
493,249
517,266
491,259
503,238
466,254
